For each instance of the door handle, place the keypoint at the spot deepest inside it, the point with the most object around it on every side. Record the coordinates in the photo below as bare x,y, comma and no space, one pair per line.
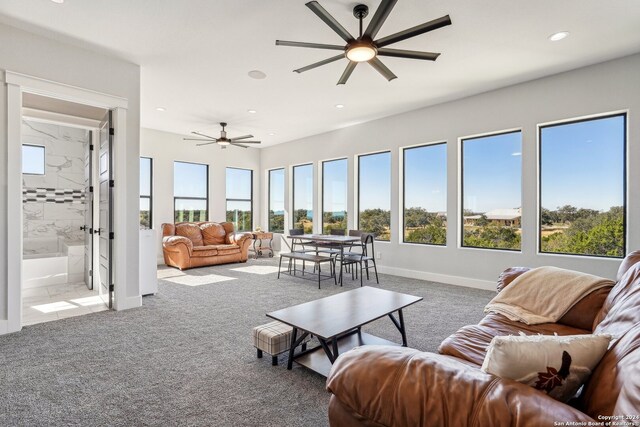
83,228
97,231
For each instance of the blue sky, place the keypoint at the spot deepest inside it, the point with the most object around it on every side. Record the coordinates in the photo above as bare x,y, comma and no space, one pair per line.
375,181
334,185
492,169
582,164
189,180
303,188
238,183
425,171
276,190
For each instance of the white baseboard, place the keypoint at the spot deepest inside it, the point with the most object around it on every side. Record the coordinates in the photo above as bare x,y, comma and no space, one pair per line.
128,302
441,278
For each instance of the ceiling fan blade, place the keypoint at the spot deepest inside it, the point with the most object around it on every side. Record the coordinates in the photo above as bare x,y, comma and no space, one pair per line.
196,139
347,72
239,145
247,142
411,54
381,15
204,135
382,69
330,21
311,45
241,137
318,64
206,143
414,31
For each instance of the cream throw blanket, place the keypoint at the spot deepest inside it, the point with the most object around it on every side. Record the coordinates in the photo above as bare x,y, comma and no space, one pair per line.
544,294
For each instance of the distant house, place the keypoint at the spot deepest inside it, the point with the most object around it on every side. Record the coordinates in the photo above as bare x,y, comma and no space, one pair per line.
502,217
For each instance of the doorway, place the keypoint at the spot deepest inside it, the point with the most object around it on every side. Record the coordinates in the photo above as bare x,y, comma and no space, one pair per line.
67,218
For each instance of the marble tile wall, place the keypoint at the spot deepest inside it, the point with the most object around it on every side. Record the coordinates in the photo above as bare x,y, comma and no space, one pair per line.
64,151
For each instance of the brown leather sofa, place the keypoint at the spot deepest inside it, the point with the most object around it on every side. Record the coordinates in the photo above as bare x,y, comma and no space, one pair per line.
198,244
396,386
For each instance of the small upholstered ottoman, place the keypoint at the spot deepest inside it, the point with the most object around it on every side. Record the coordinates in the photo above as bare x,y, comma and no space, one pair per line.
274,338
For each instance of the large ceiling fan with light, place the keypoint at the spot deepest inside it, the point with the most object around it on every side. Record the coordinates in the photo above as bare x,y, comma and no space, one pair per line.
222,141
365,48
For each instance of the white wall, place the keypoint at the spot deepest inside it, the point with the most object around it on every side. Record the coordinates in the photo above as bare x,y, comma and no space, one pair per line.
606,87
37,56
165,148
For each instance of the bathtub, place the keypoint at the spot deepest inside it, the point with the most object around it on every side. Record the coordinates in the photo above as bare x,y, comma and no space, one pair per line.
51,261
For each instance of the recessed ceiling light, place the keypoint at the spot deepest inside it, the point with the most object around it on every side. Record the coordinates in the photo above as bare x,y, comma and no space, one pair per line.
338,106
271,134
161,109
257,74
58,1
251,111
558,36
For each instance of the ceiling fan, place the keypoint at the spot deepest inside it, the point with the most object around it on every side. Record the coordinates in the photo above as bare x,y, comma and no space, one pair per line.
223,141
365,48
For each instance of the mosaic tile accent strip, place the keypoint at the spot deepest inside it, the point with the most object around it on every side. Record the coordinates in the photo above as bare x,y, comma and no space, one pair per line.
52,195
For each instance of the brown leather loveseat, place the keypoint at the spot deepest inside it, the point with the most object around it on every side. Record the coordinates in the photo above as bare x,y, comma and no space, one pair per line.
198,244
395,386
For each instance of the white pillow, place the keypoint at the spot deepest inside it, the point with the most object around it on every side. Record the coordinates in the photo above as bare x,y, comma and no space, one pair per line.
556,365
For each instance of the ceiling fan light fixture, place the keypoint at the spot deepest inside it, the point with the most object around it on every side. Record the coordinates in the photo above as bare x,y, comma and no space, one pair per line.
223,143
361,52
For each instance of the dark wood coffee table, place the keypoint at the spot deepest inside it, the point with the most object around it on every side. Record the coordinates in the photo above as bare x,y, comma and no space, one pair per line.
337,320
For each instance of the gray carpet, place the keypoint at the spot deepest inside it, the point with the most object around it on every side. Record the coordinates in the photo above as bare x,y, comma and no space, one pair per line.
185,357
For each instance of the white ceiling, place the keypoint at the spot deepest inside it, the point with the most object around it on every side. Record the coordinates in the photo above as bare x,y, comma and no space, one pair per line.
195,55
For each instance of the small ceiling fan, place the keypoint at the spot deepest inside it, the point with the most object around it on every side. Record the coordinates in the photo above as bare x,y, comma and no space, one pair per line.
365,48
223,141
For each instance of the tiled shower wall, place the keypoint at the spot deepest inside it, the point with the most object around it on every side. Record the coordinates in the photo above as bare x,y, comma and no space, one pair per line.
54,215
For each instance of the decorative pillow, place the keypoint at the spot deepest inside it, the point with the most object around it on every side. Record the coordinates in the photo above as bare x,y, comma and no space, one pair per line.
556,365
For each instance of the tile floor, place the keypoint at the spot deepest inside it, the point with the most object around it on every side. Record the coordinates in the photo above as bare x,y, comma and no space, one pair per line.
55,302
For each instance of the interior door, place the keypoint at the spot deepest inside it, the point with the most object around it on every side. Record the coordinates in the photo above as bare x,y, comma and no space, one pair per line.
88,213
105,230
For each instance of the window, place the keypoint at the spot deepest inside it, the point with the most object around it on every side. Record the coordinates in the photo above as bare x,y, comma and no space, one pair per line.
374,194
303,197
334,195
33,159
190,192
276,201
240,198
582,187
146,185
425,194
491,191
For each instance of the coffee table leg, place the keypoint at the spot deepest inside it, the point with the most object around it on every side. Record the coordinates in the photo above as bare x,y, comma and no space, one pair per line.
335,348
403,332
326,349
294,336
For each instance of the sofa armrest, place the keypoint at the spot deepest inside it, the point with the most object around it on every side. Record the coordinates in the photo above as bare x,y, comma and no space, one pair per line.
244,241
398,386
177,244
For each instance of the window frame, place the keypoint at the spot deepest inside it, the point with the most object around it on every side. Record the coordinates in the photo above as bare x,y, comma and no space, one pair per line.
322,198
284,183
150,196
357,190
206,199
625,157
403,206
44,159
461,140
227,199
293,192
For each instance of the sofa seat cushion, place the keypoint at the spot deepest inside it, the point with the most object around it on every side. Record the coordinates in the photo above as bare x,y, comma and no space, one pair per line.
191,231
470,342
203,251
227,249
213,233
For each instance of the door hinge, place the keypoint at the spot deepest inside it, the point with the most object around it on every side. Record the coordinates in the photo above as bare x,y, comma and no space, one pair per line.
91,231
112,131
111,236
112,183
91,189
91,147
111,287
90,273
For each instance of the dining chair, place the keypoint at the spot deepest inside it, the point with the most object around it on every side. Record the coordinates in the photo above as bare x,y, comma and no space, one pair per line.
363,259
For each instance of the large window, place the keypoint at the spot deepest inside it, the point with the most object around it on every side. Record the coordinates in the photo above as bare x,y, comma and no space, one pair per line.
425,194
240,198
146,186
334,195
303,197
33,159
582,187
491,191
190,191
276,201
374,194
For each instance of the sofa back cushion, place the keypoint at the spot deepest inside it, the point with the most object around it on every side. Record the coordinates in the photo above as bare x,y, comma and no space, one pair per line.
230,230
621,310
629,261
168,230
213,233
191,231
